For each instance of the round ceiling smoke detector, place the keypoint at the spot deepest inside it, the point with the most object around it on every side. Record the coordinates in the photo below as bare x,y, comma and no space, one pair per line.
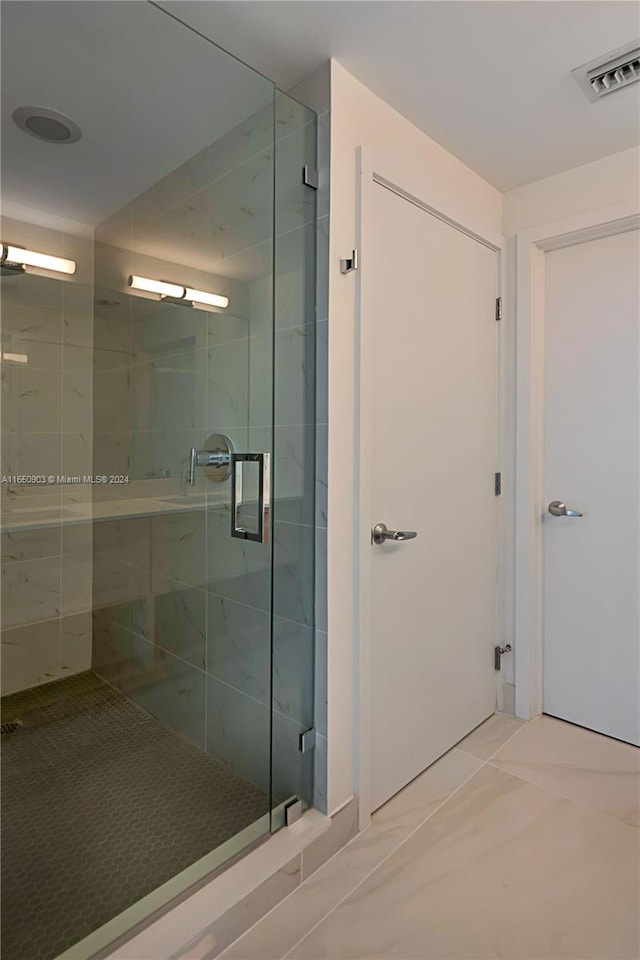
45,124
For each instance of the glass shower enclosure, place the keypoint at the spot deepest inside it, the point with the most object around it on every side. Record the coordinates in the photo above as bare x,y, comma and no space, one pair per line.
158,359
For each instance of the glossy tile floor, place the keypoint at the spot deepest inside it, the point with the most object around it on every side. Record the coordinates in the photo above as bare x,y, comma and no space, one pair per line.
101,803
521,843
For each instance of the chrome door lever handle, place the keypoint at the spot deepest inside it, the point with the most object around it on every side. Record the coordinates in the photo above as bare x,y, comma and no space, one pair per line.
559,509
380,533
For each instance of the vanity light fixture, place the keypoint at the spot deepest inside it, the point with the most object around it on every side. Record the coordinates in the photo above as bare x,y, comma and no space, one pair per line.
17,258
173,291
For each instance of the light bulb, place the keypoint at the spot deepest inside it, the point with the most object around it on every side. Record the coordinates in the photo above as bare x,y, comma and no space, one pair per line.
201,296
157,286
30,258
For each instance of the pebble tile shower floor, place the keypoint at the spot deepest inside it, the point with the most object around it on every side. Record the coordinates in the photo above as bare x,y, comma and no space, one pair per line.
101,803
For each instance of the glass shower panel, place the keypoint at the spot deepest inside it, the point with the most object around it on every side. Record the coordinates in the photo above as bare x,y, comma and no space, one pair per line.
187,637
143,618
294,453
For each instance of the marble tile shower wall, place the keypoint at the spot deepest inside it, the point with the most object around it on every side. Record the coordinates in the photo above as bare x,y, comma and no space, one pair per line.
182,610
47,331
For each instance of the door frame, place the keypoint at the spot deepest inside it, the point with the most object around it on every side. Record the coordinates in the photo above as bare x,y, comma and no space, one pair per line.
377,167
529,308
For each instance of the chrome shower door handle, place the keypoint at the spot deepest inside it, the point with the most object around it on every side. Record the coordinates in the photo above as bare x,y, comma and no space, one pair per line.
241,498
380,533
559,509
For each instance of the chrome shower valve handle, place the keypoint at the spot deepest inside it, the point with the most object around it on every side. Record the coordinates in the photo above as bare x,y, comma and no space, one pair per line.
215,457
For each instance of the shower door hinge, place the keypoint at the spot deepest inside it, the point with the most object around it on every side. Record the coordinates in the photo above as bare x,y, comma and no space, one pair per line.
498,308
292,811
310,177
497,654
351,263
308,740
498,484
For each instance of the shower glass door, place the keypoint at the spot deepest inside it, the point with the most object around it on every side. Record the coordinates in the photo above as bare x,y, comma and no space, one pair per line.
182,590
158,585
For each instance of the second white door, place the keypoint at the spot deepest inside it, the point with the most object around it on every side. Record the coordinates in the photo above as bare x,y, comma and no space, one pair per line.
433,421
592,462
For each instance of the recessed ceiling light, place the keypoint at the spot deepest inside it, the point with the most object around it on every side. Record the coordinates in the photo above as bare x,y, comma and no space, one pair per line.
45,124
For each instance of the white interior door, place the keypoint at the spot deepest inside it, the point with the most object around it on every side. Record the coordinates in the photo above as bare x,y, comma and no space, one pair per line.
431,320
592,563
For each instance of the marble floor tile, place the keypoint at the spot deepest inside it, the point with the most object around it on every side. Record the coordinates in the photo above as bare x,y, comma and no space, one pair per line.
490,735
594,770
502,871
391,825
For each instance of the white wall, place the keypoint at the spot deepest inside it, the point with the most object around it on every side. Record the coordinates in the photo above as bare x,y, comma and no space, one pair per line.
601,185
359,118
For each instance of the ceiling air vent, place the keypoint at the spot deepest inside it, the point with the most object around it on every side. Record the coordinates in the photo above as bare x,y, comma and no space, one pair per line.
614,71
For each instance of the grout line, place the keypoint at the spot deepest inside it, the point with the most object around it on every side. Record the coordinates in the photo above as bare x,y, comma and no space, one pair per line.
485,760
384,859
140,224
292,893
185,352
562,796
10,562
35,623
264,243
271,708
525,723
480,760
172,581
472,756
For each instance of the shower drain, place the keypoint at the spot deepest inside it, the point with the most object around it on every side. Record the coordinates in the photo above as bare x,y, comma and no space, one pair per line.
11,727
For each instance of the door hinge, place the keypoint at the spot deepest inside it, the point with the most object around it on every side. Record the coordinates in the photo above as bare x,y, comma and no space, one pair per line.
498,308
351,263
310,177
498,484
307,740
497,654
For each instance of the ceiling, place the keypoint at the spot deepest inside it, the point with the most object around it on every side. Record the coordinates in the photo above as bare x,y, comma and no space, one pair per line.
148,94
490,81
